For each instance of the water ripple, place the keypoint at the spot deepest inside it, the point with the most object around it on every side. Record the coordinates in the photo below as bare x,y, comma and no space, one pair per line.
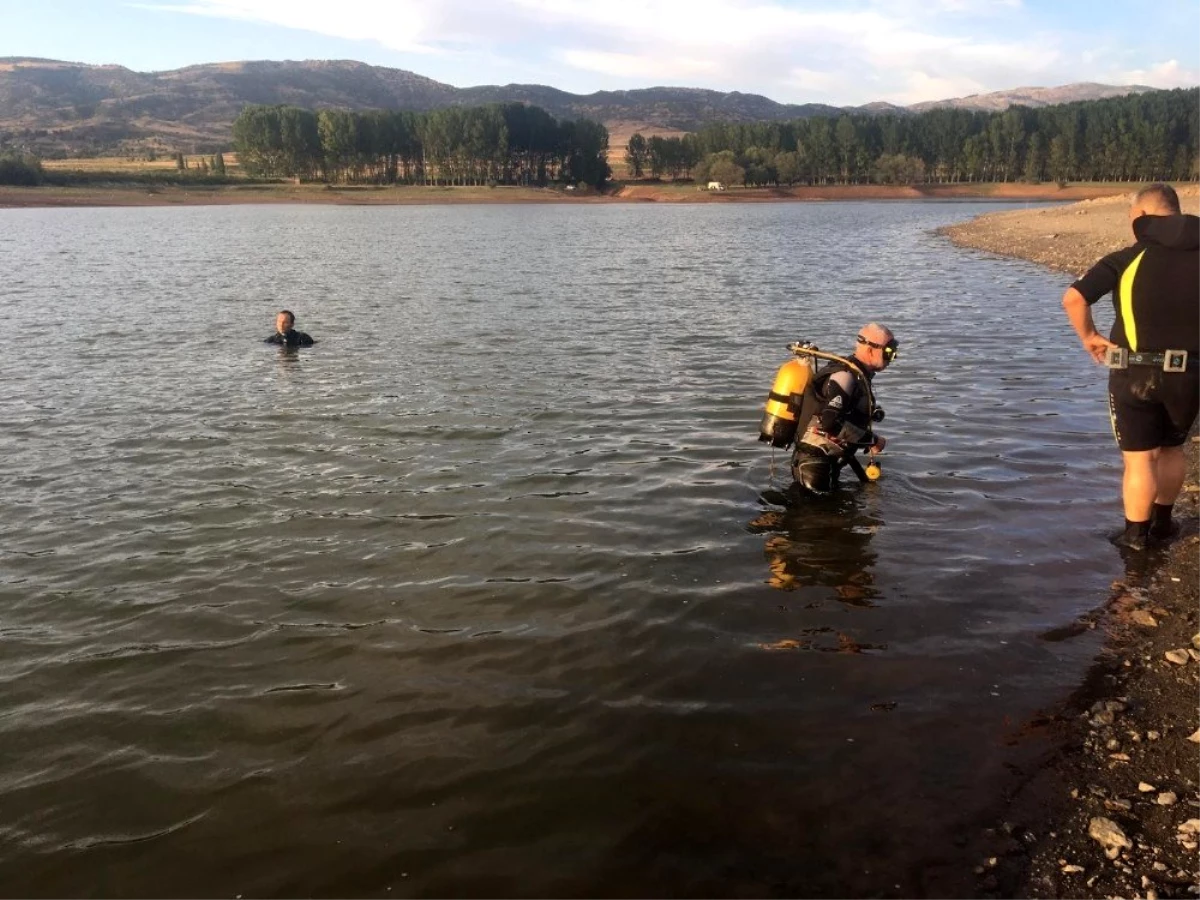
481,595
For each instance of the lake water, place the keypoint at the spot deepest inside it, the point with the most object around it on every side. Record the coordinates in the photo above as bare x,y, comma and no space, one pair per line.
480,595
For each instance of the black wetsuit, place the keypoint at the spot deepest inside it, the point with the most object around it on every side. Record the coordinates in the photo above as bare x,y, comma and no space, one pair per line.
1156,293
839,422
290,338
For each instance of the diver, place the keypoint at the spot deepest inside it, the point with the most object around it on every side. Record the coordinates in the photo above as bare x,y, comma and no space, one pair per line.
840,424
286,334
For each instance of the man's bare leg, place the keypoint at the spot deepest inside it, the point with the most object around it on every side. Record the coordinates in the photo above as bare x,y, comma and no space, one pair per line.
1139,485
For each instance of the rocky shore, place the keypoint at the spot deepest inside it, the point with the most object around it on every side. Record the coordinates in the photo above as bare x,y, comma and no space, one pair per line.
1114,809
1066,238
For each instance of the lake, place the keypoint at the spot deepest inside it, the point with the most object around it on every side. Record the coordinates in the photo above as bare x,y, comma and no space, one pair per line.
481,596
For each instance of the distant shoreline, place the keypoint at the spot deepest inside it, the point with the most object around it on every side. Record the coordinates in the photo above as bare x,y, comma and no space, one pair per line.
639,192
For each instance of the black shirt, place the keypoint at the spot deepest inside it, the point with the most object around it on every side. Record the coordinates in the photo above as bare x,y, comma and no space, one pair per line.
1155,285
290,338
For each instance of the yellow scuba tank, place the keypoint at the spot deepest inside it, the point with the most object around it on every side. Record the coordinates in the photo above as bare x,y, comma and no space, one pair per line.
778,425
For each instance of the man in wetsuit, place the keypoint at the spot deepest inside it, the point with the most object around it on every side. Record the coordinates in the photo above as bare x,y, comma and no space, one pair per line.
841,421
285,333
1154,382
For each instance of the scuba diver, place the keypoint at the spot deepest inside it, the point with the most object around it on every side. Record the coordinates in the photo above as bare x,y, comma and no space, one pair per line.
286,334
831,409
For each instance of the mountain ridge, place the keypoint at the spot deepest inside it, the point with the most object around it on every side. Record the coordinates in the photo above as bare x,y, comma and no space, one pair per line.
57,107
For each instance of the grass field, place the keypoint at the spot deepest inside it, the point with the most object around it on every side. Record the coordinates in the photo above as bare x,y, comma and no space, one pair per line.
130,164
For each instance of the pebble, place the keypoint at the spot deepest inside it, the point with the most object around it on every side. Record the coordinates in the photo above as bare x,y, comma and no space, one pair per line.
1179,657
1145,787
1153,735
1191,826
1141,617
1071,870
1167,798
1109,835
1195,736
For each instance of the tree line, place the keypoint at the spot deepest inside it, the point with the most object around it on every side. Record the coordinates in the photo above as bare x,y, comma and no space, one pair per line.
23,169
1140,137
508,143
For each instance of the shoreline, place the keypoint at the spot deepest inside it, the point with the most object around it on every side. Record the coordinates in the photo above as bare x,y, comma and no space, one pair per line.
128,194
1123,747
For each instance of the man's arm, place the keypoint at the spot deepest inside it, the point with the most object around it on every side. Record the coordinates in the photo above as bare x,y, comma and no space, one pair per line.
1079,313
839,395
1101,279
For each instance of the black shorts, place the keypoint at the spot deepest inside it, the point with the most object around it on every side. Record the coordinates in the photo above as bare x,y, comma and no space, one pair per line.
1150,408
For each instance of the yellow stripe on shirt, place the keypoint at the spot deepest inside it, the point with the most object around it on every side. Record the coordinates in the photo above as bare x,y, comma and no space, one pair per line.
1127,278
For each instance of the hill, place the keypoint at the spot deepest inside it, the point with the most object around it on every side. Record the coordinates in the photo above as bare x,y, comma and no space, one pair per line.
58,108
1034,97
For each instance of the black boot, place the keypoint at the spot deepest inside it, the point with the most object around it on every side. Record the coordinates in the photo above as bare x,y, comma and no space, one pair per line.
1134,536
1162,527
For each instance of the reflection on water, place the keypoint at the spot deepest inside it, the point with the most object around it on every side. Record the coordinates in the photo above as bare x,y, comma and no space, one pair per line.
479,596
822,542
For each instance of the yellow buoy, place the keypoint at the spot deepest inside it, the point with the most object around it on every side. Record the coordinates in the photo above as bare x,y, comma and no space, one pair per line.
873,471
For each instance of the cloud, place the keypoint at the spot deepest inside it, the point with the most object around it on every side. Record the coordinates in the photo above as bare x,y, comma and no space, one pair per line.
902,51
1169,74
641,66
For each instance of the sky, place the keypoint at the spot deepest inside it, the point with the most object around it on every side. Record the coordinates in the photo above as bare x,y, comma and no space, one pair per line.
841,52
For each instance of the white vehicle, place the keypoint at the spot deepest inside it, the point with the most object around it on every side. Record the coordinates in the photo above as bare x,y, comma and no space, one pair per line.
716,186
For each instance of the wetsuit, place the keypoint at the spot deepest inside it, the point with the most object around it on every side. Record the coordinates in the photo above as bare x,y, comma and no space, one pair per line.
839,424
1156,292
290,338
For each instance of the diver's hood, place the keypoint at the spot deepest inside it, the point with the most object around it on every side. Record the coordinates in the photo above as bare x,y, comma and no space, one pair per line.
1178,232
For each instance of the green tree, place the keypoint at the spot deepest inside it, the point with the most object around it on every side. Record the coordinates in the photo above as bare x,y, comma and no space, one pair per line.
1059,164
585,145
21,169
1034,163
636,153
258,141
788,167
723,169
300,152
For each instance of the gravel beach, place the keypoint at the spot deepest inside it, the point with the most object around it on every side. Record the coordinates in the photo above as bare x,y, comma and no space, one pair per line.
1113,810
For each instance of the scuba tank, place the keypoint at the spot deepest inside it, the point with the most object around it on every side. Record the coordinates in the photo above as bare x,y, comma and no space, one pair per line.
779,421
